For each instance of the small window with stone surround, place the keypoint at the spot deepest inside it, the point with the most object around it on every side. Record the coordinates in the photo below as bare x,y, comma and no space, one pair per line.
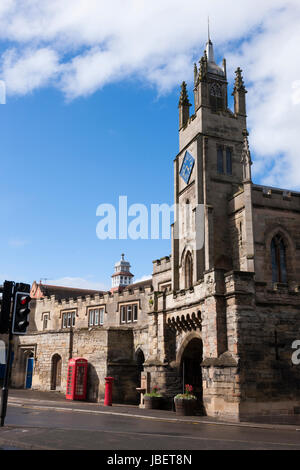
45,320
68,319
129,313
96,316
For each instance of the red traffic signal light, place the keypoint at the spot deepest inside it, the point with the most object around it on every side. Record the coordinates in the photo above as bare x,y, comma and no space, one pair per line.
25,300
20,314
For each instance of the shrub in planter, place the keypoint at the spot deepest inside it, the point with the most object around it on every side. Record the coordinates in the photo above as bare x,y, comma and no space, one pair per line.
153,400
185,403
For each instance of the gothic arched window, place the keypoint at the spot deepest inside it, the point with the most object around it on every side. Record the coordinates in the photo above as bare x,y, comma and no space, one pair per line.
278,256
188,268
216,98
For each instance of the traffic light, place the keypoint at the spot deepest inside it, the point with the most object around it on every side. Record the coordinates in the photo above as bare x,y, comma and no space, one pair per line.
21,311
5,306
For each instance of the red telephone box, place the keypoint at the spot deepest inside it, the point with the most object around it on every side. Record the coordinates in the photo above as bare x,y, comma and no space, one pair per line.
77,378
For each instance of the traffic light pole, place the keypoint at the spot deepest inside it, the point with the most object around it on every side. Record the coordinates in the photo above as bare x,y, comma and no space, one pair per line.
20,294
4,394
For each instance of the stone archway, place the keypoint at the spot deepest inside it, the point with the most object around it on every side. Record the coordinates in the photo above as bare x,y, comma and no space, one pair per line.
140,359
189,359
56,364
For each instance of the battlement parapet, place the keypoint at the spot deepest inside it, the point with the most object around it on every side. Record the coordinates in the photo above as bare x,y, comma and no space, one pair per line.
162,264
281,198
105,298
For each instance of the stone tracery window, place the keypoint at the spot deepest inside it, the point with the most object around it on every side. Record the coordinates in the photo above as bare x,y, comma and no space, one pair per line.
216,97
278,257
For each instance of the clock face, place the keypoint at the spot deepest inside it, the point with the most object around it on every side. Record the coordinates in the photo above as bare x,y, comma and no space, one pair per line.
187,167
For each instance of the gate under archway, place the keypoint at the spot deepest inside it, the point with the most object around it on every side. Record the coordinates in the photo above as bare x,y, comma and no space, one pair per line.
190,367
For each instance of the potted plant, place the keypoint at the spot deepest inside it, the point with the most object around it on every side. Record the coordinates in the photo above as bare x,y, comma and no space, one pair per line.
153,399
185,403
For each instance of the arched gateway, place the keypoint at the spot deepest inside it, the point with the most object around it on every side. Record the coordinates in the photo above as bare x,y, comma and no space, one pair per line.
189,359
56,372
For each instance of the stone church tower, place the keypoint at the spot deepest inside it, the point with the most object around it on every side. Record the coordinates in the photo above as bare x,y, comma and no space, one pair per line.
213,139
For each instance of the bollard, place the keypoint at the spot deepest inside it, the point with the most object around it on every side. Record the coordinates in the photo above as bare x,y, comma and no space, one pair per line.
108,391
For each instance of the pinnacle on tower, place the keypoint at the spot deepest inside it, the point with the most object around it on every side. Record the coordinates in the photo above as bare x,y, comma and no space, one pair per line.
246,158
239,82
239,93
184,99
184,107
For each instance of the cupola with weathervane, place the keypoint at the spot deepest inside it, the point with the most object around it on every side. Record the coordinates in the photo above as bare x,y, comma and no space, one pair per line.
122,276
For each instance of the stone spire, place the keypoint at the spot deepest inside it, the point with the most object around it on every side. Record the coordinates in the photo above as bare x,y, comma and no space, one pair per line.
246,158
210,48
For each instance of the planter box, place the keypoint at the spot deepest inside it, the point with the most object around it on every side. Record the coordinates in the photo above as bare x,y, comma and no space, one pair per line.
185,407
153,403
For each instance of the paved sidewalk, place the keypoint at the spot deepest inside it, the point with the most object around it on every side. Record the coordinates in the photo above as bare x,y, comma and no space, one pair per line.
56,400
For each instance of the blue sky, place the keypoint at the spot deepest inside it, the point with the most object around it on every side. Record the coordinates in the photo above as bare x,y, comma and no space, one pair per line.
92,114
61,160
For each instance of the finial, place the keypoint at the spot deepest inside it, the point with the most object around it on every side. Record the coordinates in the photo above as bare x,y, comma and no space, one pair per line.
246,157
203,67
184,99
122,256
208,29
195,73
239,82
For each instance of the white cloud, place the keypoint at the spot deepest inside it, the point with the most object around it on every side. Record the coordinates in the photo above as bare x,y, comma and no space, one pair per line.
143,278
81,45
77,282
18,242
24,71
